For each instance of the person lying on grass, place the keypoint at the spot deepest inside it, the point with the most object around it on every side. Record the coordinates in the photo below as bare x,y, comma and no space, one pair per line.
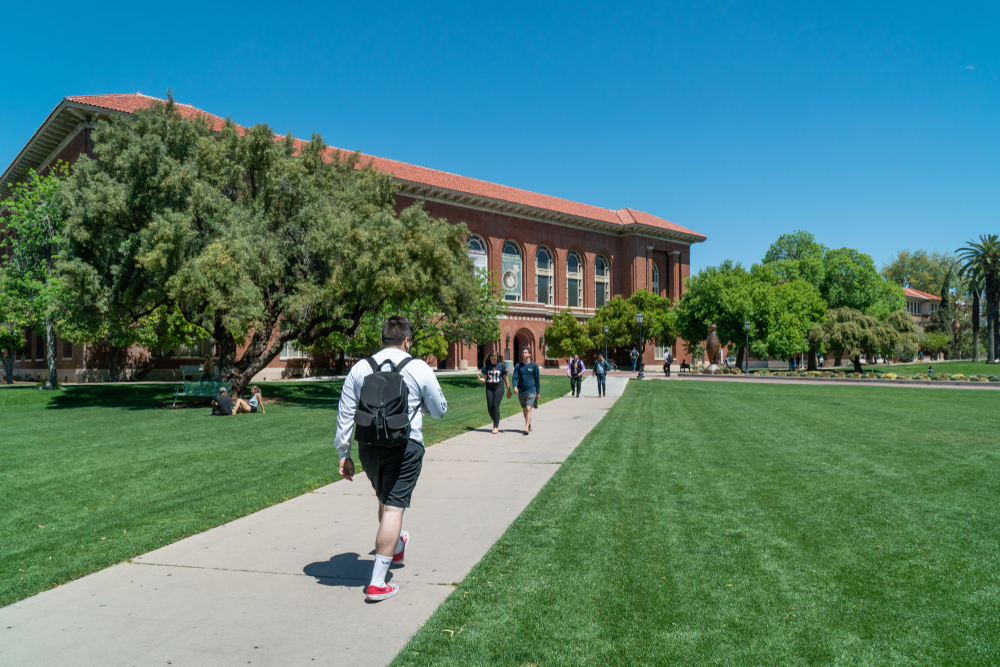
255,404
222,405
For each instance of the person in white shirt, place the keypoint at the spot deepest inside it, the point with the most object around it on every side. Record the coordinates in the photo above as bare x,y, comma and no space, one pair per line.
392,470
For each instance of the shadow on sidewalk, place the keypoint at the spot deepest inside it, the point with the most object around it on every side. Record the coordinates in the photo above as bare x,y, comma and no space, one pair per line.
347,570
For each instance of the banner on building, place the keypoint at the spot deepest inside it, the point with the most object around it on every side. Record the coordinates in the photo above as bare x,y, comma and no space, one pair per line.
511,277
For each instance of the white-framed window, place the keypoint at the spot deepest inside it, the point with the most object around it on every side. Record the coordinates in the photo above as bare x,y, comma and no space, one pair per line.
511,271
602,281
198,350
292,350
658,350
913,307
574,280
477,252
544,267
656,283
934,306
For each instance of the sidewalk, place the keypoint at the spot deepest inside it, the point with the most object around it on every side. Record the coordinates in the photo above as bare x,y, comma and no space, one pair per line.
285,586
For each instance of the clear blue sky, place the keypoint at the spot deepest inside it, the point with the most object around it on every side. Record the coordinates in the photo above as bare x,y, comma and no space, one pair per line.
873,125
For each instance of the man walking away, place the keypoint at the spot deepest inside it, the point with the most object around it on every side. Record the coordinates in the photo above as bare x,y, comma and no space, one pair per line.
667,360
390,442
526,386
576,370
601,373
635,358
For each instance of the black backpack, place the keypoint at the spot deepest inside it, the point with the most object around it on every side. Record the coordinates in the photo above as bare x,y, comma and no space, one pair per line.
382,418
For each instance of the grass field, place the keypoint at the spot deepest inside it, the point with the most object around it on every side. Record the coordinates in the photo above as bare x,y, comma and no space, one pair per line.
739,524
93,475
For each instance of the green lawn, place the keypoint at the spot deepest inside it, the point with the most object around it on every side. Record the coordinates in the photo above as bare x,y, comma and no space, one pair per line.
739,524
110,473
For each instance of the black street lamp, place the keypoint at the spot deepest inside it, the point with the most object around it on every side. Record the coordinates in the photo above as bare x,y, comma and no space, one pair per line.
746,350
605,342
638,320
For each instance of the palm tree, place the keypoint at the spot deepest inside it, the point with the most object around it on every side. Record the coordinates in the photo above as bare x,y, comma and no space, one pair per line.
984,257
974,285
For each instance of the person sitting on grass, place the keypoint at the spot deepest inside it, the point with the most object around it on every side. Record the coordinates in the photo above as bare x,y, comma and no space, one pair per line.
222,405
930,369
255,404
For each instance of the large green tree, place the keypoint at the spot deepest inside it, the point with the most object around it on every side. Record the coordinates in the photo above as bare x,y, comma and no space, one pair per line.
257,239
35,221
797,256
920,270
619,315
566,336
15,318
850,331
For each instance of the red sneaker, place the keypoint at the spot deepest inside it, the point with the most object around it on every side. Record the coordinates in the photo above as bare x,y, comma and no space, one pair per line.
376,593
398,558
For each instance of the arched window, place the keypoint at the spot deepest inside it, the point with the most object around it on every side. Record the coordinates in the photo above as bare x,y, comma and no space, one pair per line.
602,281
477,252
574,280
543,275
656,279
511,277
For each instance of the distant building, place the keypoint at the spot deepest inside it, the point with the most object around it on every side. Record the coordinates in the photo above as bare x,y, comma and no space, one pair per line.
550,253
920,305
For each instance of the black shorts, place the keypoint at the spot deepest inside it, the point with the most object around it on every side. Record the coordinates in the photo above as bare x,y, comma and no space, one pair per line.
393,471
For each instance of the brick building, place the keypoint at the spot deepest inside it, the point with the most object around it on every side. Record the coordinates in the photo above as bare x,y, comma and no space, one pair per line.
552,253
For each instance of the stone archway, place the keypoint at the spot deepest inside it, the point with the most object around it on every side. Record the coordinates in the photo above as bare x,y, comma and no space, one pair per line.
523,339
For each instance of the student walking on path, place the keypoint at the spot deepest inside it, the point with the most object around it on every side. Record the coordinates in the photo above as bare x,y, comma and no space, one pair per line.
526,386
601,373
635,358
494,374
390,442
575,370
667,360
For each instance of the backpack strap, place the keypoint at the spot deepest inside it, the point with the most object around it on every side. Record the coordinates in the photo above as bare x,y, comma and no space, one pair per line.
403,363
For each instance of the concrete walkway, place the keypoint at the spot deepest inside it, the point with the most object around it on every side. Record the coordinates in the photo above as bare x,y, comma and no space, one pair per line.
285,586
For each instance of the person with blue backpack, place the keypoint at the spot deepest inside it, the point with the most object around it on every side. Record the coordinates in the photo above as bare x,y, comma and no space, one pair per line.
382,403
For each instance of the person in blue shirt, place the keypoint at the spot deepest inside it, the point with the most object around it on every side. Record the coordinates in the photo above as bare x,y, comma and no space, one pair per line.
635,358
494,374
526,386
601,373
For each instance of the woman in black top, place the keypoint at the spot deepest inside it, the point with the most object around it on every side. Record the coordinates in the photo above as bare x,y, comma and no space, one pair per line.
494,374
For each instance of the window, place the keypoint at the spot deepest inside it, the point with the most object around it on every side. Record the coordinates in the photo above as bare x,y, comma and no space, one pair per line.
292,350
602,280
67,349
543,276
511,277
574,281
913,307
477,252
658,350
196,350
656,282
40,347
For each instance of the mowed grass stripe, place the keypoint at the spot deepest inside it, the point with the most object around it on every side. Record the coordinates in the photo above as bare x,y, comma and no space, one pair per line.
749,525
111,474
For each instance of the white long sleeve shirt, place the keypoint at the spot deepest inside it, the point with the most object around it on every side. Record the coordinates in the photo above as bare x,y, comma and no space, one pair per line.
425,396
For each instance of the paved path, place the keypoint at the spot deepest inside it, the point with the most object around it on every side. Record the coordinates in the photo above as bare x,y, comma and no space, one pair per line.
285,586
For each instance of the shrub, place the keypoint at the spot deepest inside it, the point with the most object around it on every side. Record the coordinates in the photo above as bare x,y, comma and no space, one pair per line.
995,378
871,374
921,376
856,375
889,376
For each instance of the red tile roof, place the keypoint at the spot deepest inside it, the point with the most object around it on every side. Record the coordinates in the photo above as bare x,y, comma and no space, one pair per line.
917,294
423,175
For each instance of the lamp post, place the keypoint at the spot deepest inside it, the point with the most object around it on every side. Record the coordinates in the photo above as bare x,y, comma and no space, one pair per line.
746,349
638,320
605,342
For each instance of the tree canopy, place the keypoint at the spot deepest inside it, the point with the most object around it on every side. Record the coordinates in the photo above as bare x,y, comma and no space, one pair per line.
852,332
257,239
920,270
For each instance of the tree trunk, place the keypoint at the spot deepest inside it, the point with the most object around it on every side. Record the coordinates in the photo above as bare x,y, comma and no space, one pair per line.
740,351
812,360
856,359
838,358
990,322
975,326
338,367
50,356
8,365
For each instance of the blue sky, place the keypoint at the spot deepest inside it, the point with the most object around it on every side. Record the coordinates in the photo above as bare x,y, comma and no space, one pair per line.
873,125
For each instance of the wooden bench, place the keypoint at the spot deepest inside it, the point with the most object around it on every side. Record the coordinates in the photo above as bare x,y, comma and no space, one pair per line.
201,390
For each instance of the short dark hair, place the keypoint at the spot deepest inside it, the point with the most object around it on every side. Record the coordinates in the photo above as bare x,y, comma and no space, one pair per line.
396,329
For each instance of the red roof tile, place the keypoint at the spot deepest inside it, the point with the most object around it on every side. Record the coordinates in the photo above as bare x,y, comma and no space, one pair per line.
917,294
423,175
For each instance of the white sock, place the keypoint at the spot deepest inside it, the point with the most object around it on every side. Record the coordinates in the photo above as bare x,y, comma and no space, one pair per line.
399,545
378,572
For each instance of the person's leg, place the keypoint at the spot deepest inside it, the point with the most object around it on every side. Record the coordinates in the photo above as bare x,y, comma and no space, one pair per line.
493,398
527,418
390,525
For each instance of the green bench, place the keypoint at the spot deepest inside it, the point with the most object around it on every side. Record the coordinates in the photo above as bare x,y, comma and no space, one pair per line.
201,390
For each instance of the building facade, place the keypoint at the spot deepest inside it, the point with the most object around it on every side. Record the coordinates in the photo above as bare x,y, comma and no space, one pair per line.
551,254
920,305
